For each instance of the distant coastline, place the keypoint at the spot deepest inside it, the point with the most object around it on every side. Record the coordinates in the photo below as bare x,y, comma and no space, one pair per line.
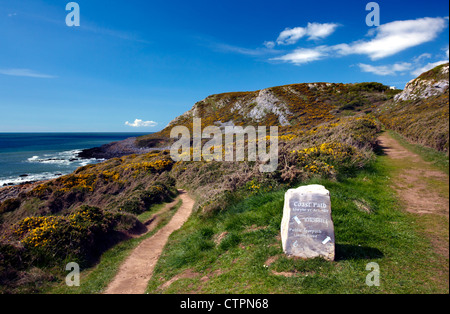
114,149
28,158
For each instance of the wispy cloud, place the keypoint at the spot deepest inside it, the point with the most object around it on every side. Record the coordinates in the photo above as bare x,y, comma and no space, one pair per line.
240,50
384,41
124,35
394,37
391,69
313,31
138,123
303,55
427,67
423,56
25,73
416,66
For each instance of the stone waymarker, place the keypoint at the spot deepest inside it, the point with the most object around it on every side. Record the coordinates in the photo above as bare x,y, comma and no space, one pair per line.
307,229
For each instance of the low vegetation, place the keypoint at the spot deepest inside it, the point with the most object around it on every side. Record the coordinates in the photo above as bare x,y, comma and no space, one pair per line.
231,243
423,121
238,250
77,217
292,107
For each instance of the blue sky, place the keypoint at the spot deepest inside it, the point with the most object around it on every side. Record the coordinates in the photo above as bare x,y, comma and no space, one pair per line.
135,65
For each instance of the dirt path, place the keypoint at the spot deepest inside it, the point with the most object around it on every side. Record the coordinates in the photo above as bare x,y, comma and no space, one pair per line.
423,191
153,222
137,269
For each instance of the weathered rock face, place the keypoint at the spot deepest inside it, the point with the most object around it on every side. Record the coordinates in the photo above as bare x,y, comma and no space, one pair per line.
267,102
307,229
424,87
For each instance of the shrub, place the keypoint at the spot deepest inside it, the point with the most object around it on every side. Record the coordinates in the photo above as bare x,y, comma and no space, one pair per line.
322,159
140,201
9,205
54,238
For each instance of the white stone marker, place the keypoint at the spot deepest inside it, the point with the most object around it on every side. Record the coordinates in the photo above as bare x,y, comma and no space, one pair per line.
307,229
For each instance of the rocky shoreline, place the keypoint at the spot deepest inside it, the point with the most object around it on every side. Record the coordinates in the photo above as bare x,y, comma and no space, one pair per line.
107,151
15,190
114,149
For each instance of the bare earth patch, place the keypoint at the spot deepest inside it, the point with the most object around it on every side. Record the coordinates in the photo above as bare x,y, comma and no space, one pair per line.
423,191
137,269
218,239
413,180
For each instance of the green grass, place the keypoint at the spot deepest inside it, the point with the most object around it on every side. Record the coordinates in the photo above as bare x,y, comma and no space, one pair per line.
94,280
439,160
387,235
150,212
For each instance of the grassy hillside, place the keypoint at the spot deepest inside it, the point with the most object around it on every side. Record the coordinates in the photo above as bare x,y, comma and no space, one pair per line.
79,216
297,107
238,250
422,120
328,135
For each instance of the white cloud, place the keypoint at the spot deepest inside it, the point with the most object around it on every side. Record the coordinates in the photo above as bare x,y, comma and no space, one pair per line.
269,44
394,37
243,51
138,123
318,31
386,69
423,56
385,40
313,31
291,35
25,73
428,67
303,55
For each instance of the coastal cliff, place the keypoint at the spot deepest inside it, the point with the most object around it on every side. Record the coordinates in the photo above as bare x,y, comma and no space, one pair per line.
326,132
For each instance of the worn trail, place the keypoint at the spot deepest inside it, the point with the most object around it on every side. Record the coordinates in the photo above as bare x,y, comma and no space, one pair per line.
423,191
137,269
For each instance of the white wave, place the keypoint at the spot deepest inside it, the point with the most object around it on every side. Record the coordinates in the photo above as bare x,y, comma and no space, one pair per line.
65,162
33,158
30,178
65,158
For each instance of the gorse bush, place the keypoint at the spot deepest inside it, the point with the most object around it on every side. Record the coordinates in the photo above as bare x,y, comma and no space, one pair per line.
324,158
141,200
51,239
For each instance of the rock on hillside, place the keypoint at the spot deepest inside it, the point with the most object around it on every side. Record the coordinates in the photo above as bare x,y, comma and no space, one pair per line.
432,83
421,112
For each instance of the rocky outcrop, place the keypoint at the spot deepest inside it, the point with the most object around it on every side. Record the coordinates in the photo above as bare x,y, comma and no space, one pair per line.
432,83
266,102
420,113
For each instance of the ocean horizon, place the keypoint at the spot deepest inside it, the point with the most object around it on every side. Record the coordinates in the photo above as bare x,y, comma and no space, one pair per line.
36,156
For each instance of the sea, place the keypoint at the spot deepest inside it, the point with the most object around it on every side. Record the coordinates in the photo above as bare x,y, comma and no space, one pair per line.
29,157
